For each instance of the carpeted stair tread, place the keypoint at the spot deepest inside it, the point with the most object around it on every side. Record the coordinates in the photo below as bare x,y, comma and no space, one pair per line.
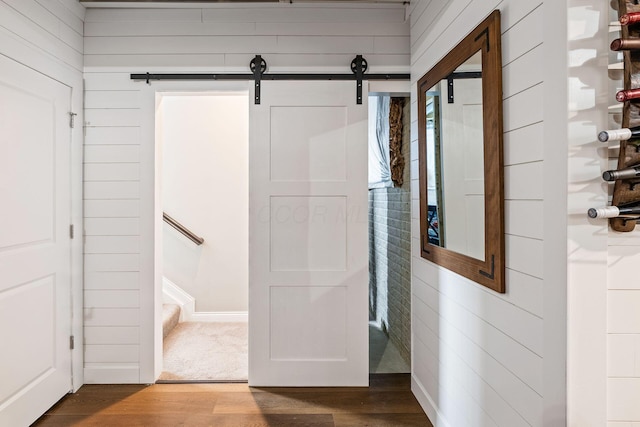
170,318
208,351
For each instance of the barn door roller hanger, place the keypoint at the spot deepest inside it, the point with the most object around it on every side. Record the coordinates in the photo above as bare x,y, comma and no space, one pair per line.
258,67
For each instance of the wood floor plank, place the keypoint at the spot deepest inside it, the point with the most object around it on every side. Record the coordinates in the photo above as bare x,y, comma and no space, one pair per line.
381,420
87,403
387,402
128,420
268,420
390,382
192,420
326,401
200,387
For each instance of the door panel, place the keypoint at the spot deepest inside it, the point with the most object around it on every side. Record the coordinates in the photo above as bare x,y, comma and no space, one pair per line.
304,332
35,312
308,316
313,135
308,233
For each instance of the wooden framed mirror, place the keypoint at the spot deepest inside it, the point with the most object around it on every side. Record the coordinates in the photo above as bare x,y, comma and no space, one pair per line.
460,134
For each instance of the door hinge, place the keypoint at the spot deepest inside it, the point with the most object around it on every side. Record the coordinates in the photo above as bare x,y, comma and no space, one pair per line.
71,231
71,342
72,120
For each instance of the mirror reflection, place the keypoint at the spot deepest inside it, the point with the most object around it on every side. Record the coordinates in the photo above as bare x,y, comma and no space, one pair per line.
455,161
460,133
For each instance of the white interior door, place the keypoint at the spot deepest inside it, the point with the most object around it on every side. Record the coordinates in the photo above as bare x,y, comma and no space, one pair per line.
308,275
35,312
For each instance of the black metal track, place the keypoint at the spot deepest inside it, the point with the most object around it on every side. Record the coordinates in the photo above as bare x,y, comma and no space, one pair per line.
258,66
154,76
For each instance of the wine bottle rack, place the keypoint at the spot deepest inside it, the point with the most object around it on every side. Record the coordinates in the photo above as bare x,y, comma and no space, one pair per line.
628,191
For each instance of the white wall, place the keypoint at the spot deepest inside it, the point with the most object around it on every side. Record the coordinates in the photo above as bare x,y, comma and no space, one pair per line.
481,358
290,37
604,294
619,302
46,35
587,252
205,187
119,134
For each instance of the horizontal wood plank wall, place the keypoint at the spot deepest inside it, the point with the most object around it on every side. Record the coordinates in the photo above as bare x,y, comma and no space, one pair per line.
54,26
623,291
47,36
478,355
225,38
589,105
112,228
213,38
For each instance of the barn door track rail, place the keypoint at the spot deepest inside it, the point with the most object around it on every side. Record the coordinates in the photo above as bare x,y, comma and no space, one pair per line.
258,67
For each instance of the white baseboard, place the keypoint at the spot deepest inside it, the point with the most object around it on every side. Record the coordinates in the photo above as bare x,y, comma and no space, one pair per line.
429,407
230,316
172,293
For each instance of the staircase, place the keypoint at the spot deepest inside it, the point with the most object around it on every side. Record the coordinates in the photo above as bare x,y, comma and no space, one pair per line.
170,318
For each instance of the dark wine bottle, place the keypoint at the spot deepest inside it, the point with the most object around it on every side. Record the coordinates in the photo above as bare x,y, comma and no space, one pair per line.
626,173
625,44
628,94
630,18
619,134
613,211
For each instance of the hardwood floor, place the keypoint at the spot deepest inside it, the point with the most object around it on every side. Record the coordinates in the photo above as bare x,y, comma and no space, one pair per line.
387,402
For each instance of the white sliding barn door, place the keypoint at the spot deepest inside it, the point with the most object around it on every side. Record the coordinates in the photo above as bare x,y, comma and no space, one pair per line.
35,312
308,257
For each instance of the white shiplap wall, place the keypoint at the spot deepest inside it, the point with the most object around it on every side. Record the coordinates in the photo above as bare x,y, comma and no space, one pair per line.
54,27
46,35
604,293
587,253
622,301
112,228
481,358
119,154
291,37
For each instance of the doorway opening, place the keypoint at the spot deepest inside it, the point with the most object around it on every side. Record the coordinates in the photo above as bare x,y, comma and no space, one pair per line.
203,191
389,234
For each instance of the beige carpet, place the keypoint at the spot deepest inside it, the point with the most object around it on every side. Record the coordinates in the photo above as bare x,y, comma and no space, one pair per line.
199,351
170,318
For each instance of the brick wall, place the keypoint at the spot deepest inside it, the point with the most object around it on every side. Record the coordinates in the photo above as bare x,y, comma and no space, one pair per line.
390,254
